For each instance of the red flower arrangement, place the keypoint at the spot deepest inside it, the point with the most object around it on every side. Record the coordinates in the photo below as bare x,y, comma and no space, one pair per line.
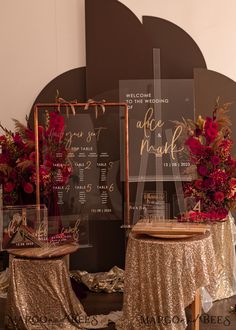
209,145
17,159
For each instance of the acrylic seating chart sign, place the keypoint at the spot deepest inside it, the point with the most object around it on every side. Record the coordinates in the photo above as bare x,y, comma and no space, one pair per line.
156,140
86,184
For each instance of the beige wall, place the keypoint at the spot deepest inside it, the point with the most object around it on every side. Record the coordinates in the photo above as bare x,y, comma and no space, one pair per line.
40,39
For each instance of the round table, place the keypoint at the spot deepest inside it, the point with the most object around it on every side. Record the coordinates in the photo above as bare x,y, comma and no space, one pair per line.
222,234
161,279
40,295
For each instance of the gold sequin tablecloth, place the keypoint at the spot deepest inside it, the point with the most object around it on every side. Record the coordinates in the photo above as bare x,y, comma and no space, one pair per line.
223,243
40,297
161,278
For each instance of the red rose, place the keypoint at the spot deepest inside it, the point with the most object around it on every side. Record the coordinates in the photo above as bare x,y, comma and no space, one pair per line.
208,183
8,187
57,123
198,184
210,123
28,188
219,196
211,129
194,145
202,170
215,160
211,134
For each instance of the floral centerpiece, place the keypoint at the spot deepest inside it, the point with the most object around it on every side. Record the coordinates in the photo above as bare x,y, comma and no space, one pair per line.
17,160
209,144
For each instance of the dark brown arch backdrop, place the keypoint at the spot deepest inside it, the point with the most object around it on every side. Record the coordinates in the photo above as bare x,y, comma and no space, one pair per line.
120,47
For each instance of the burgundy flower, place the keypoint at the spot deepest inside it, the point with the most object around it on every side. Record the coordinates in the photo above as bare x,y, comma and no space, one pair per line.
207,151
28,188
210,152
202,170
198,183
211,129
216,214
219,196
3,158
230,161
32,156
198,132
211,134
8,187
57,124
208,183
221,213
215,160
18,139
219,177
19,147
194,145
43,171
210,123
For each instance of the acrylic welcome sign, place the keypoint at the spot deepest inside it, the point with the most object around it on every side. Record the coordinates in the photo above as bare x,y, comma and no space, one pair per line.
155,139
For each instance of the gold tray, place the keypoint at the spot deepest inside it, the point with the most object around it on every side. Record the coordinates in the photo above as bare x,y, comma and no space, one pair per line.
170,236
45,252
170,229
